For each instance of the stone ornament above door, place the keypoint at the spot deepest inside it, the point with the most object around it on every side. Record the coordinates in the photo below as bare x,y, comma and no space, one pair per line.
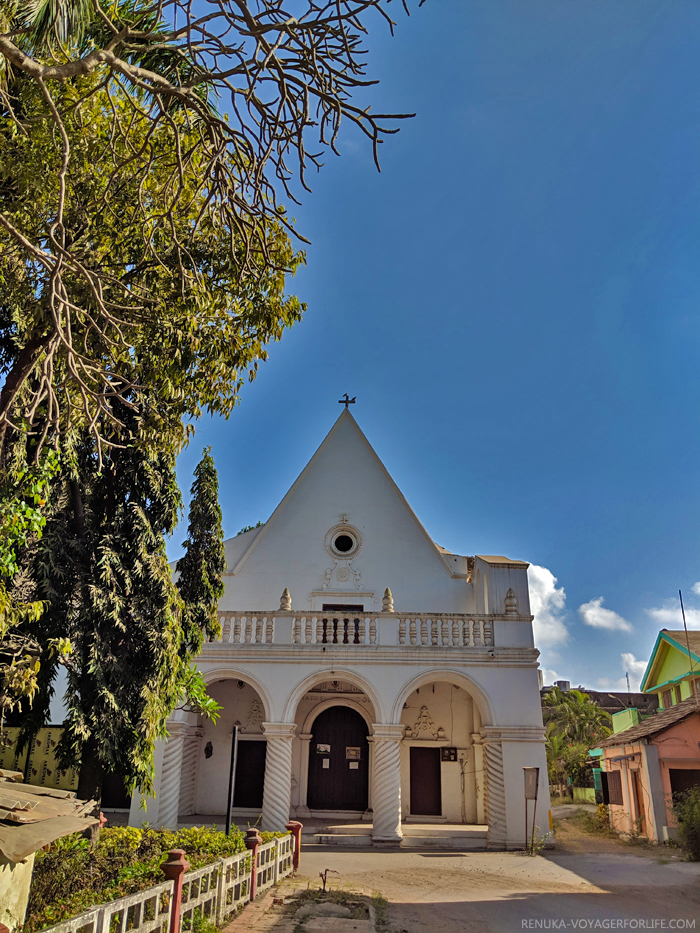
425,728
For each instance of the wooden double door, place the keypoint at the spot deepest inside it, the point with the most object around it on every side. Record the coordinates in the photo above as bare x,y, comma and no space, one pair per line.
338,761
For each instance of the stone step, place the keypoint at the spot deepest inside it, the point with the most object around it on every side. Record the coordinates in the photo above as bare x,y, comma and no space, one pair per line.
459,843
425,829
339,839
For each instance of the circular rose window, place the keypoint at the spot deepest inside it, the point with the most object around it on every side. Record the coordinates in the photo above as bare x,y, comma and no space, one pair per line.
343,541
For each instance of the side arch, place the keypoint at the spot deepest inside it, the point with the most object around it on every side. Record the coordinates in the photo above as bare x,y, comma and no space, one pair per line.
307,683
452,677
211,675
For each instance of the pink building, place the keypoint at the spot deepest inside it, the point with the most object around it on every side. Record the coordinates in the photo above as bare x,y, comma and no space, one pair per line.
649,762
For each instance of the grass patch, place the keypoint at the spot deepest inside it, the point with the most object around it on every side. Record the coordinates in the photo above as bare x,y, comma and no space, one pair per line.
595,823
381,911
560,801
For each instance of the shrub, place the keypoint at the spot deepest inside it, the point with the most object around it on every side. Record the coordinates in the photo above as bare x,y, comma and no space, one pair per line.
72,876
686,811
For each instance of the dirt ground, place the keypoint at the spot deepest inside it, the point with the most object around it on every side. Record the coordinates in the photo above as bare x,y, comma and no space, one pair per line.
587,882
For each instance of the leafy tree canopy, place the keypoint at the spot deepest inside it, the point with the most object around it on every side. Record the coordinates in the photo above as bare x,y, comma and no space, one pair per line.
153,304
134,214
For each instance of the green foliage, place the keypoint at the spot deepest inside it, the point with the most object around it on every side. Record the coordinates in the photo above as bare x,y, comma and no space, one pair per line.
158,304
597,823
574,715
172,331
686,812
200,572
574,724
22,519
22,502
72,875
249,528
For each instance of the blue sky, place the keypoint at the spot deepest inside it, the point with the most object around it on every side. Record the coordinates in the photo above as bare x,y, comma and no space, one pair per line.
513,301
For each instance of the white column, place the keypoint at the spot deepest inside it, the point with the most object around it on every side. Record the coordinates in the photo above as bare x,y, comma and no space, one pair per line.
169,790
495,790
480,778
305,745
188,779
277,791
386,784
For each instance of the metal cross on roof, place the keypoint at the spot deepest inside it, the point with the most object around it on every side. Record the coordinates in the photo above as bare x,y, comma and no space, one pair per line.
346,401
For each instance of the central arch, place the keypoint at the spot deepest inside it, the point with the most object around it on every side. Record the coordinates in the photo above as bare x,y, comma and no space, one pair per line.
350,676
338,760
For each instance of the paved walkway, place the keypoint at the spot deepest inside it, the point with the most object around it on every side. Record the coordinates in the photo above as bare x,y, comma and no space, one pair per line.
493,892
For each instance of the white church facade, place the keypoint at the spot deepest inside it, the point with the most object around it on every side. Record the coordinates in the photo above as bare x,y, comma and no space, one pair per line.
374,677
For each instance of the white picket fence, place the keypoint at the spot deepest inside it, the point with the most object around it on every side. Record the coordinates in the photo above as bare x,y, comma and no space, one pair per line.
217,890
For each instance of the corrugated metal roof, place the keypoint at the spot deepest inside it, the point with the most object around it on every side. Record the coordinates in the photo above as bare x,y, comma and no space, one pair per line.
31,817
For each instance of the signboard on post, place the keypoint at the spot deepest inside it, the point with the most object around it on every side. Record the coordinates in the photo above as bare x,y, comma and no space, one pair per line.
532,780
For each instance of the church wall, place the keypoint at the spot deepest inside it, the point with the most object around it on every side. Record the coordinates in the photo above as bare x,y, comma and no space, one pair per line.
241,705
345,479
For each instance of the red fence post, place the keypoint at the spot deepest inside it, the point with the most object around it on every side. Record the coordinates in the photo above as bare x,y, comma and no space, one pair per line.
252,841
295,828
174,867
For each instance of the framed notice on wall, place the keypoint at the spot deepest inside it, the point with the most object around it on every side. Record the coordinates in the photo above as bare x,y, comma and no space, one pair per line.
323,749
352,753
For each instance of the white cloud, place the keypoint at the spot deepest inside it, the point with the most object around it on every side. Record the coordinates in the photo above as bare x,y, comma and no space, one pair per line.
669,615
594,615
550,677
547,603
630,665
696,588
635,668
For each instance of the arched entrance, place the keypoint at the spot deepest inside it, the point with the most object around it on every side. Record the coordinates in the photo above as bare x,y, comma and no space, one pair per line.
243,707
338,761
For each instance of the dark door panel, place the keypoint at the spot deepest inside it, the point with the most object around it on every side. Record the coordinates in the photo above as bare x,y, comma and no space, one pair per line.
250,775
426,790
343,783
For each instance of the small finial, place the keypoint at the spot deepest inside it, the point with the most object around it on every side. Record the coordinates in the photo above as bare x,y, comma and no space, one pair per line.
286,601
347,401
387,601
511,602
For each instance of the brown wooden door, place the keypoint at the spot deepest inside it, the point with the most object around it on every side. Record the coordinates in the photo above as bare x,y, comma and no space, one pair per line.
250,775
338,785
639,802
426,791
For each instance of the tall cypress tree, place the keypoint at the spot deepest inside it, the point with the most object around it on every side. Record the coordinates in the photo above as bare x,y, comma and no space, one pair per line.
200,571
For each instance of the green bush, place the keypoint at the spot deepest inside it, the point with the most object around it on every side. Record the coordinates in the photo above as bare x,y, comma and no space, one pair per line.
72,876
686,811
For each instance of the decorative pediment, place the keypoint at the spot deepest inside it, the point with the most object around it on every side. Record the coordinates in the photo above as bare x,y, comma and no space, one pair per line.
424,727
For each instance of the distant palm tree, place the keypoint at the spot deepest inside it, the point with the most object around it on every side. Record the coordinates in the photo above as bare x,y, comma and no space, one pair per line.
574,715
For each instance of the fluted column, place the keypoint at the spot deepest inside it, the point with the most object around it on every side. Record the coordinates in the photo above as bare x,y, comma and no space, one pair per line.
188,778
169,790
277,791
495,790
386,784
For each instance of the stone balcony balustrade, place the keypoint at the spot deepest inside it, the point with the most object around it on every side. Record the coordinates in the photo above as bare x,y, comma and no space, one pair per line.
402,630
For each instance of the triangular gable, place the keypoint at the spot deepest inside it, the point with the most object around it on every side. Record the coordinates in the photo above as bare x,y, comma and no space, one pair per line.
344,422
667,643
